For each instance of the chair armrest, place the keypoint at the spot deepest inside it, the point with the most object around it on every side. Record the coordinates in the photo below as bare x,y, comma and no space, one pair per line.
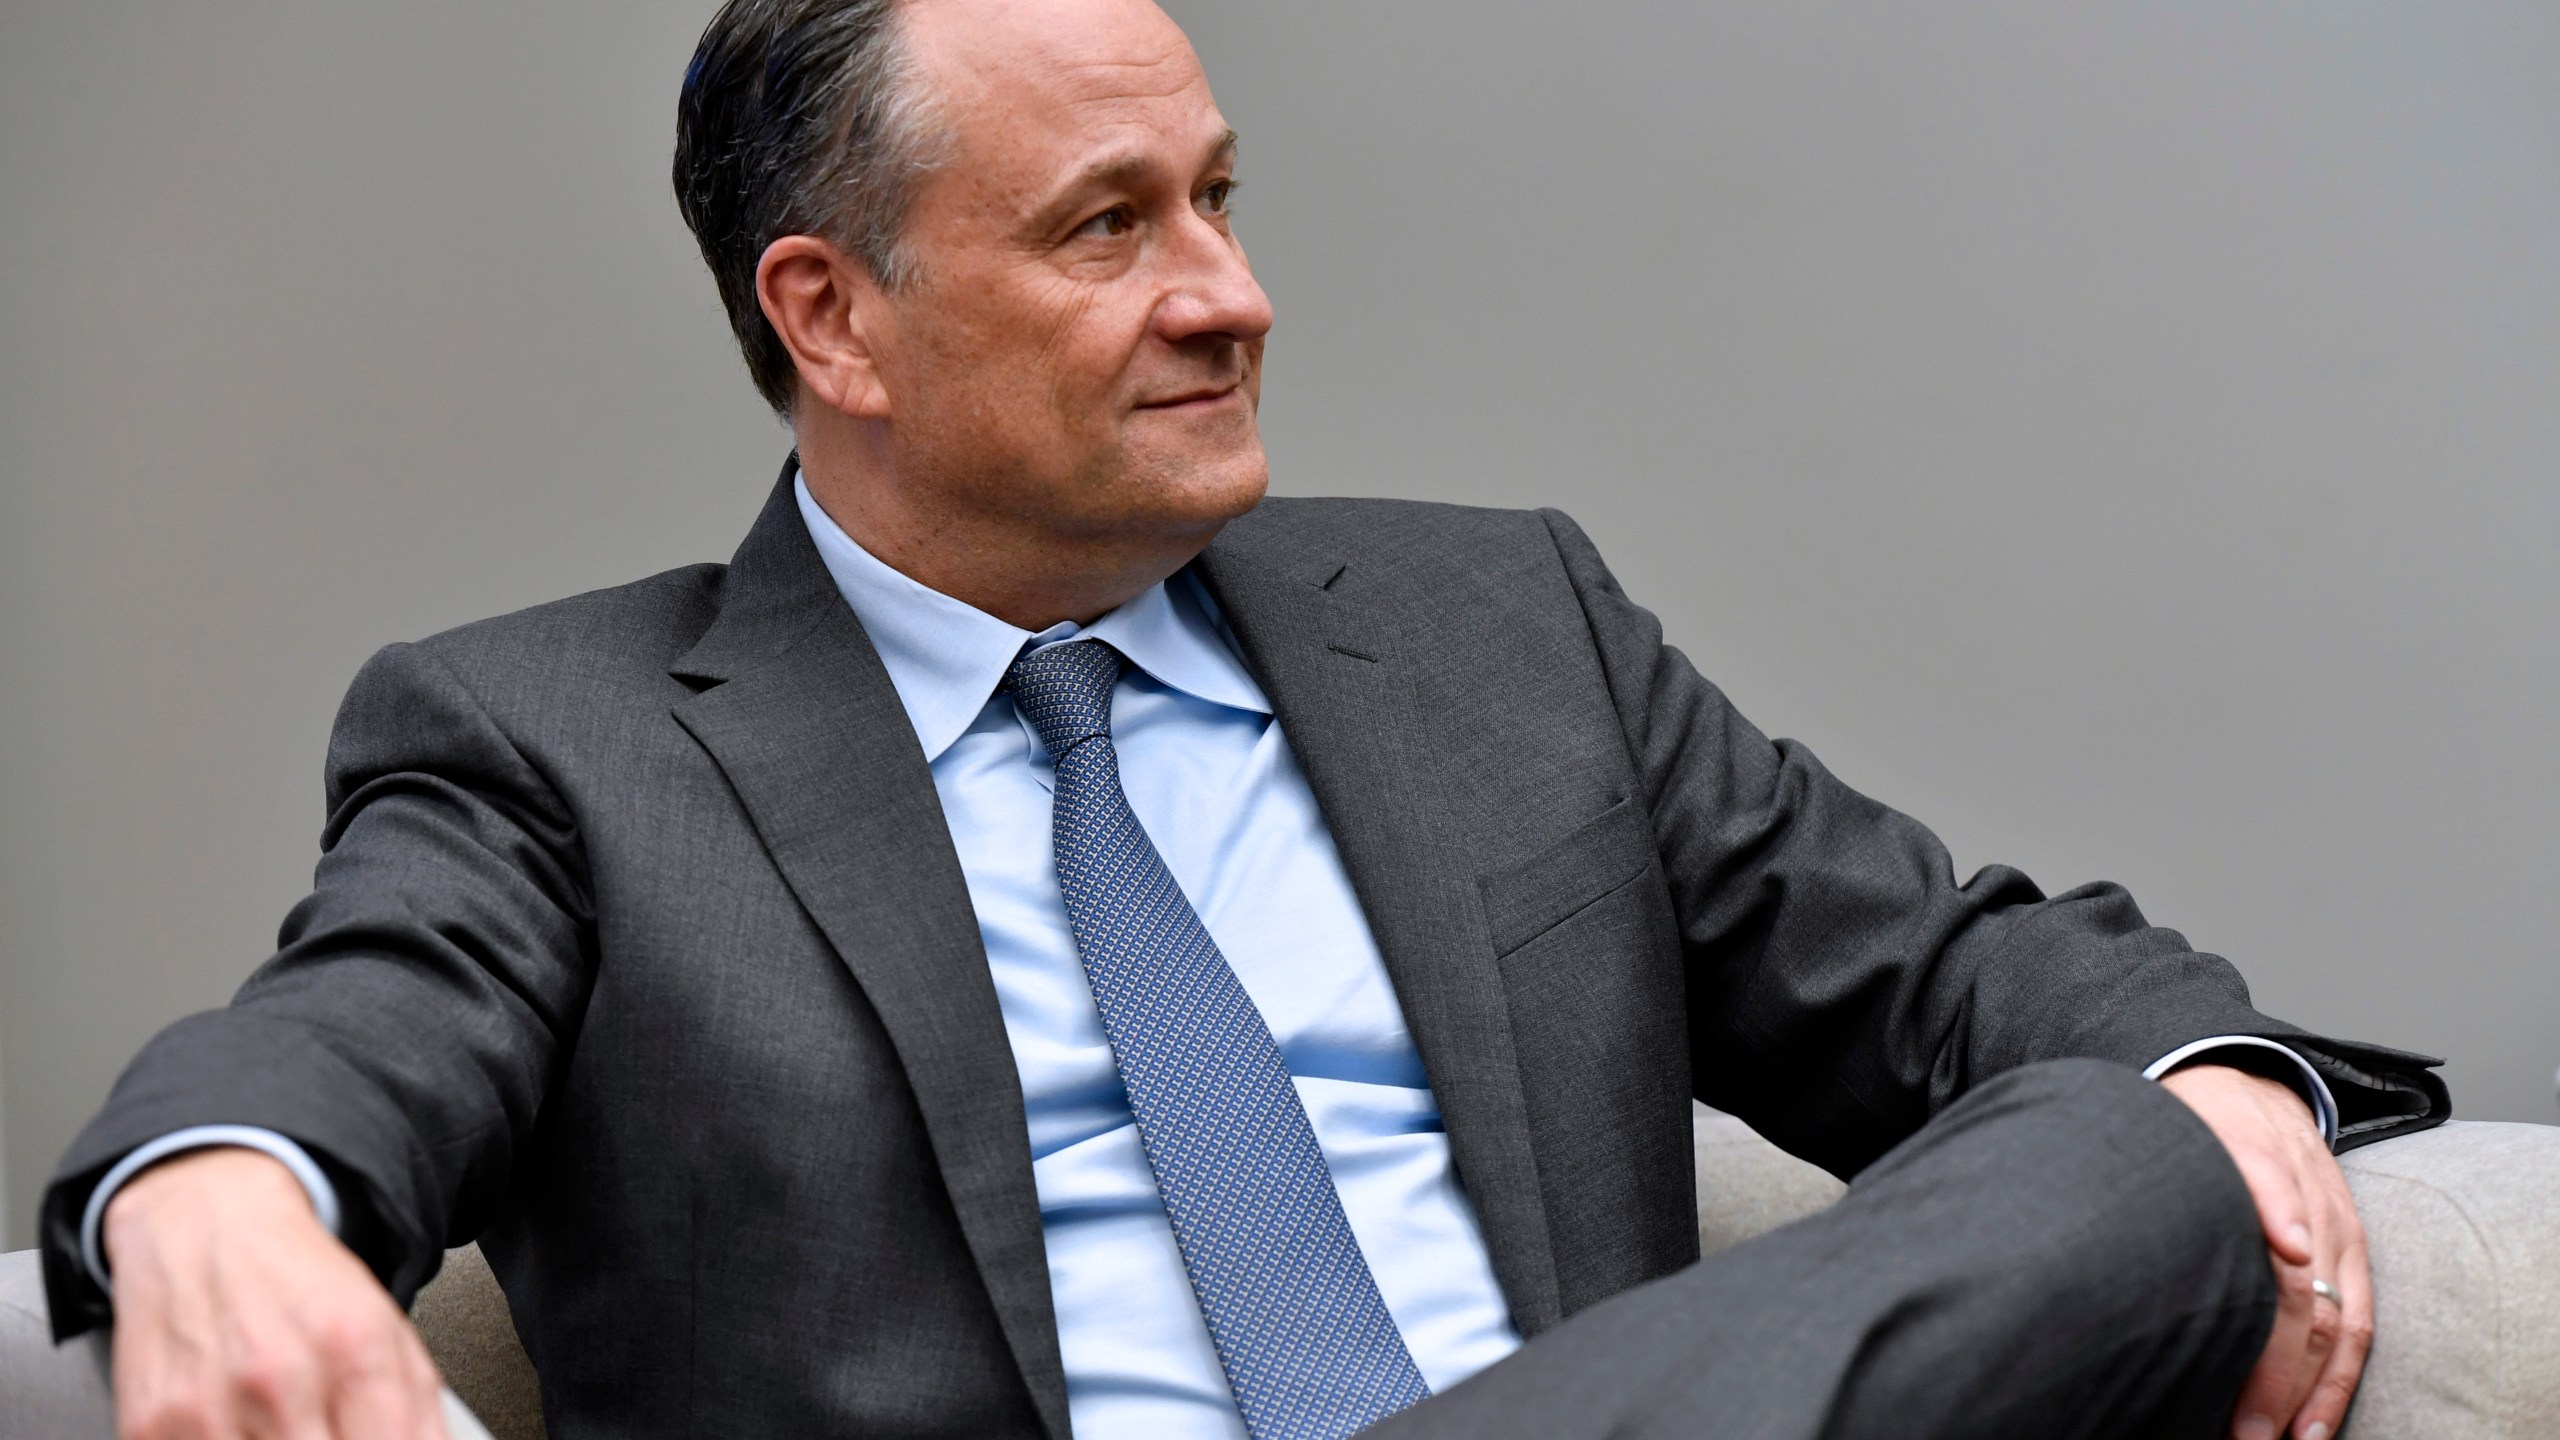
47,1392
2464,1225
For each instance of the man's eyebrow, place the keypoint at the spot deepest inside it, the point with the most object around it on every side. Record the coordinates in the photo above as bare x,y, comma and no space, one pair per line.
1128,166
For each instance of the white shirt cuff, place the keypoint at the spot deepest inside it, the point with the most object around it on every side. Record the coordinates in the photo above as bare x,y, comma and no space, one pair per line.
2324,1106
324,1196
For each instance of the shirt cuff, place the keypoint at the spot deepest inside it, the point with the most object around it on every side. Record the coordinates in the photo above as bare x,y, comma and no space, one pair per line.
324,1196
2324,1106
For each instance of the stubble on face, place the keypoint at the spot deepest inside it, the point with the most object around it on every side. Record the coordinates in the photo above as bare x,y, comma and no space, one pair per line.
1080,352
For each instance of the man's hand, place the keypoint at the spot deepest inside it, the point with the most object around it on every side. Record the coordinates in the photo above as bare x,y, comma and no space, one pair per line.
239,1316
2316,1353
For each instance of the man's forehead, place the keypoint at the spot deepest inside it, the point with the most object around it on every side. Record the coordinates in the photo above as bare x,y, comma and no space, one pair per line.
1030,56
1046,98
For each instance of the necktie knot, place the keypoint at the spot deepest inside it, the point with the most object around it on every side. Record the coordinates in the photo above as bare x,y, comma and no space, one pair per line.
1065,692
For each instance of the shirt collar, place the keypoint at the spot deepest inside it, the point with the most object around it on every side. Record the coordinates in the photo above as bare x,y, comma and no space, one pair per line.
946,657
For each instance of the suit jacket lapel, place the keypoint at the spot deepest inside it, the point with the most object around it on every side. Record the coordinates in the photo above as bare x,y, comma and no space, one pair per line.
808,728
1343,689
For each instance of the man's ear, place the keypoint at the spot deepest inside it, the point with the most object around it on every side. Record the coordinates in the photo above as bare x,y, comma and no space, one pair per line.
827,309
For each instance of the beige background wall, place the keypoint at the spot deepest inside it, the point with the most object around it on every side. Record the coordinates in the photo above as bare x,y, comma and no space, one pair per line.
2127,438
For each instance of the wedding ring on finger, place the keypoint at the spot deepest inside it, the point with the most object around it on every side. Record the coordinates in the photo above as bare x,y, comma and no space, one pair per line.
2328,1292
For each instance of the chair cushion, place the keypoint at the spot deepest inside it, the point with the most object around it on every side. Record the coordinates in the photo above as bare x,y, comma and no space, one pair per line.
1747,1186
463,1317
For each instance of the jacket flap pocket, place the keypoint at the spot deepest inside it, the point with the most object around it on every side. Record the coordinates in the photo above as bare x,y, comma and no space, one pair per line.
1525,900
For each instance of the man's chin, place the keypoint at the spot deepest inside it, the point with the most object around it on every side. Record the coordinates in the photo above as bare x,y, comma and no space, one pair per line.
1206,485
1221,494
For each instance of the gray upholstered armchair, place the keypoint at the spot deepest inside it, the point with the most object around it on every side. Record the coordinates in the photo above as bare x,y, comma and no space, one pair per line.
2464,1221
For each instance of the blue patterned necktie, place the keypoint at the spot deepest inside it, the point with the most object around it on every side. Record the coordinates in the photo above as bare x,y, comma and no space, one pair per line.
1307,1343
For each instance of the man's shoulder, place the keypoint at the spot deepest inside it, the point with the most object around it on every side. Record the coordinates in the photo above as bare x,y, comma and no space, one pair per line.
633,631
584,678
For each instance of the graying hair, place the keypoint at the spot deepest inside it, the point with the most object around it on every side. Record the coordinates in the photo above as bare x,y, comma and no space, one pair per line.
801,117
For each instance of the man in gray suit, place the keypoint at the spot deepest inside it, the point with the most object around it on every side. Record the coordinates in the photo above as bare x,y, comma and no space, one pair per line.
1047,941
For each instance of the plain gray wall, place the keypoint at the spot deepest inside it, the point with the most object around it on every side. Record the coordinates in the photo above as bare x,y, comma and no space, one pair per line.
2125,436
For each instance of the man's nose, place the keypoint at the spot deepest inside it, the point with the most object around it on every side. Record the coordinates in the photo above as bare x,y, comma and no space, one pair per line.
1213,294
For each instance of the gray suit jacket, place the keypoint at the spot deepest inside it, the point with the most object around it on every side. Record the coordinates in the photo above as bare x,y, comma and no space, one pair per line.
639,950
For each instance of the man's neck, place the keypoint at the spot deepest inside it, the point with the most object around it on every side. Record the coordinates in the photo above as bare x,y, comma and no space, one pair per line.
1027,577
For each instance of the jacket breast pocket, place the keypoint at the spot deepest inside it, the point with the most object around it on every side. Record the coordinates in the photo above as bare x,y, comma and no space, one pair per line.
1530,897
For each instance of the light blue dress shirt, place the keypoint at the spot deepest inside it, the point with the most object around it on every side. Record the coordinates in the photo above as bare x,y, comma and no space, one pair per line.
1212,779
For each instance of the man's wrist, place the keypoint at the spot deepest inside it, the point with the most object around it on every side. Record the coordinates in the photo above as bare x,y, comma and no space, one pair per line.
296,1161
2257,1056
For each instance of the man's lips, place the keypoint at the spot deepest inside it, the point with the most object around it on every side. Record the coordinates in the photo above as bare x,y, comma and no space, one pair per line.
1204,396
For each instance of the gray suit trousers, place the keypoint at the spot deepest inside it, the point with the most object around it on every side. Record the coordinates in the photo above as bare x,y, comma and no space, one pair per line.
2065,1252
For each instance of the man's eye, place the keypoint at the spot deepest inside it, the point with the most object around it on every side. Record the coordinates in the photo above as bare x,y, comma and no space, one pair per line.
1215,198
1118,220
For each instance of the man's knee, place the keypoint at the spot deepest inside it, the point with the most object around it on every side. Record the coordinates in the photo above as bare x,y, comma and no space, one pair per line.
2065,1252
2085,1224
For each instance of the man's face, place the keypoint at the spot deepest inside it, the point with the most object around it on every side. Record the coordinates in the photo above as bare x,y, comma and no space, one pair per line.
1081,347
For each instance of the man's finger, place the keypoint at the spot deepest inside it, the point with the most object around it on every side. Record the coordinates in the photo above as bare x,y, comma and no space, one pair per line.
2287,1367
394,1402
2289,1373
168,1405
2283,1210
2326,1408
383,1382
277,1391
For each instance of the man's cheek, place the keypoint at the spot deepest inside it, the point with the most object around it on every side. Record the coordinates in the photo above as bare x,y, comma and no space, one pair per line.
1063,311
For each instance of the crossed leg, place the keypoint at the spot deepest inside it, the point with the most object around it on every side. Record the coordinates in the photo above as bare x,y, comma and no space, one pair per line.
2065,1252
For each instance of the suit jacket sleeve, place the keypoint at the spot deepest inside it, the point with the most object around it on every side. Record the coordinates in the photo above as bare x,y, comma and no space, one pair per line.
406,1029
1844,986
